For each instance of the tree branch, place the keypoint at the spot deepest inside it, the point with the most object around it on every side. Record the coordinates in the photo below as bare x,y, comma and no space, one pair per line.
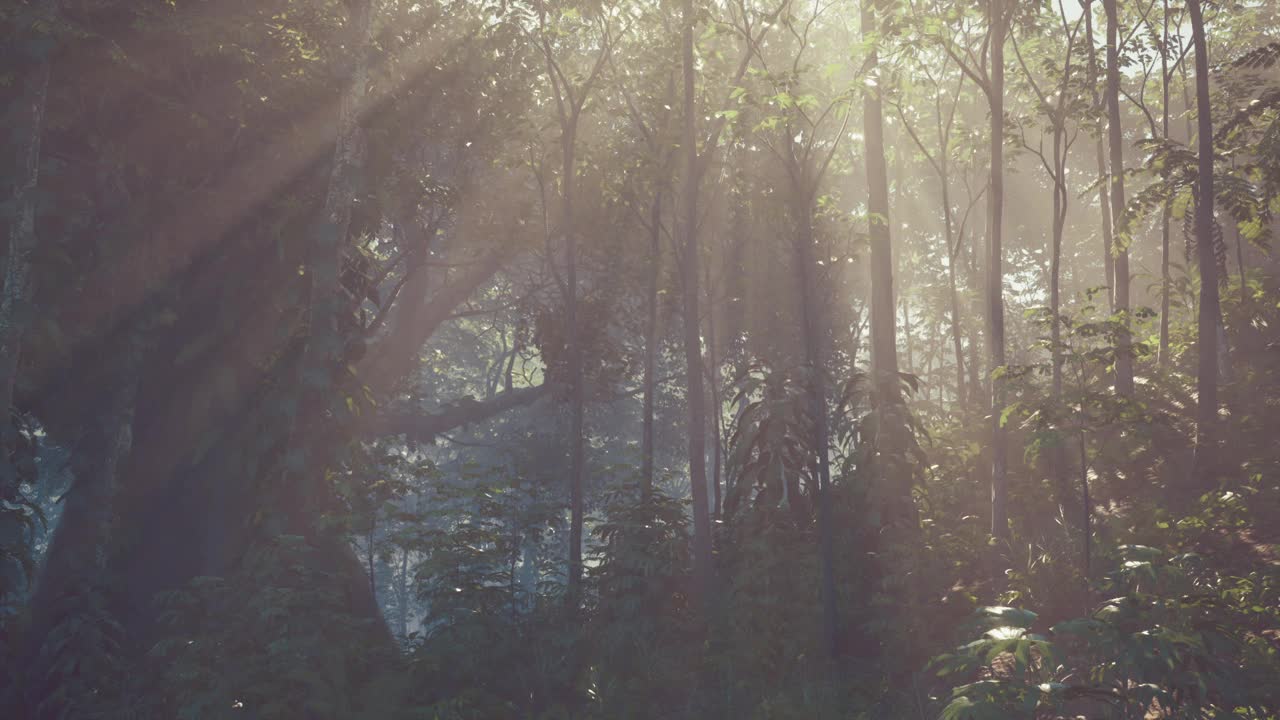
426,426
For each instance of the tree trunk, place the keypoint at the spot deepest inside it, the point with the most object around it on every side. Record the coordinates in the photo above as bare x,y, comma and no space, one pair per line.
1060,199
1124,353
910,363
717,409
577,471
322,355
979,394
995,278
884,341
402,596
76,581
1210,315
702,567
1108,241
953,252
651,346
15,313
1055,259
1166,285
369,555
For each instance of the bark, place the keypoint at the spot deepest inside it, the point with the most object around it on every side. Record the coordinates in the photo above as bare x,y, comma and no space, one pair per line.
996,12
402,597
651,346
569,103
953,251
1210,314
322,356
368,555
426,427
979,394
15,311
884,341
692,331
1166,284
419,314
77,566
1060,199
1108,241
717,407
577,450
1124,357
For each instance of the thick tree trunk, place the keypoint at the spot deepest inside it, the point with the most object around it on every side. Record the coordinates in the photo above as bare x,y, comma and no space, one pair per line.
1210,315
884,341
15,312
76,581
322,355
996,13
697,429
1115,136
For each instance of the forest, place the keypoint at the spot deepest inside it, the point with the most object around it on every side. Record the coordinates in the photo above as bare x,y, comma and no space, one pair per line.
640,359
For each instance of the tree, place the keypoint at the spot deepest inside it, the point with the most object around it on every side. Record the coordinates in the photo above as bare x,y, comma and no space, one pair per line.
941,163
884,341
569,102
1115,141
690,295
1104,186
987,72
186,274
16,312
322,353
1056,107
1210,313
695,166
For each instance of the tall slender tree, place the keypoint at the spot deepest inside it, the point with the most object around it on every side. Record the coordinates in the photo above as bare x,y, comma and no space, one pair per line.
1210,312
941,163
751,34
1055,105
570,99
691,295
1115,180
987,72
1104,199
997,19
1166,283
884,340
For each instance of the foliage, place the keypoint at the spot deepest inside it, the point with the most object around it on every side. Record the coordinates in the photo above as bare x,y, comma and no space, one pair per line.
334,481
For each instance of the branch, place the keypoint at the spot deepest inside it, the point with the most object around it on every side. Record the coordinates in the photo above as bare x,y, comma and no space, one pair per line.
717,125
916,138
425,427
395,356
1143,107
